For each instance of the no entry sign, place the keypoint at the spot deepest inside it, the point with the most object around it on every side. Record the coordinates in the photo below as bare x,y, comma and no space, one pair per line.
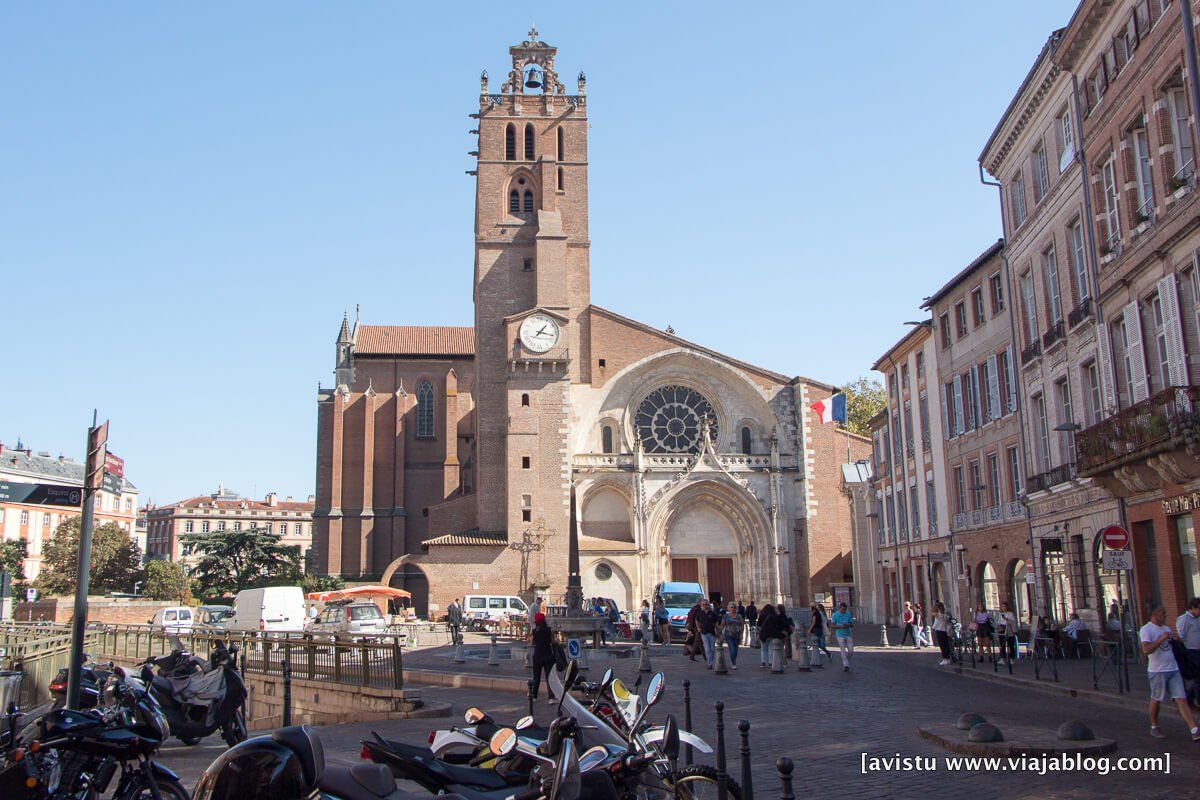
1115,537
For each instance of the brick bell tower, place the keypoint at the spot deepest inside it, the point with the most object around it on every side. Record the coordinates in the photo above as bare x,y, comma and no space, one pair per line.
531,295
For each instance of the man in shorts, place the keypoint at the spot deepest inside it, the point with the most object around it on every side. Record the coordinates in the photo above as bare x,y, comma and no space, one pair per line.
1165,678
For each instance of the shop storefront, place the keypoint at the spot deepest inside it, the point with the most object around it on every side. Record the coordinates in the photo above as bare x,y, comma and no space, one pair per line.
1166,569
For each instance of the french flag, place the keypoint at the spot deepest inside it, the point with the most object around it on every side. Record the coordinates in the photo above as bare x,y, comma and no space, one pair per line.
832,409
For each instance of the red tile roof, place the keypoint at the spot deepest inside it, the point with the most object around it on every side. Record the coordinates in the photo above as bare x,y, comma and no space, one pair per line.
415,340
471,538
208,501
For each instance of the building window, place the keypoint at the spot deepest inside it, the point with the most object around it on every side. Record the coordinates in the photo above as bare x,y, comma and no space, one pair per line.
1066,140
987,412
920,364
562,180
977,305
1041,432
526,515
425,410
960,490
1078,256
529,141
561,146
270,527
1053,296
221,525
1108,179
525,400
606,439
997,290
944,327
1066,416
527,206
1041,174
931,507
204,527
1144,174
747,444
527,265
1121,337
188,526
993,467
510,143
1014,475
237,526
1181,134
1189,566
960,318
1162,372
1091,376
976,485
1029,310
904,376
524,462
24,517
1016,190
926,436
514,202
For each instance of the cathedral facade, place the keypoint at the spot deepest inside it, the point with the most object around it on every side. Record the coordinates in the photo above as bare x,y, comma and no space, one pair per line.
446,455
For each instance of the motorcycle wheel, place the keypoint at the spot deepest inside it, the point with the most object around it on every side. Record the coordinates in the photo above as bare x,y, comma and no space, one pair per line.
140,790
234,731
699,782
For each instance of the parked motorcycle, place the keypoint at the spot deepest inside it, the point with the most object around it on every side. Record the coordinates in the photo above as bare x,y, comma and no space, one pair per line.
91,682
199,697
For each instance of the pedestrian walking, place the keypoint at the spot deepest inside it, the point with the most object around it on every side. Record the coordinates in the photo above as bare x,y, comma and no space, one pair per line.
908,617
1006,632
941,634
706,625
542,639
768,629
611,618
1163,670
644,621
454,618
733,625
843,628
751,616
920,640
786,628
1188,628
816,629
691,642
662,620
981,623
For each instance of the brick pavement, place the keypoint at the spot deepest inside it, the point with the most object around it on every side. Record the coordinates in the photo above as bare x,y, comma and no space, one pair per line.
826,719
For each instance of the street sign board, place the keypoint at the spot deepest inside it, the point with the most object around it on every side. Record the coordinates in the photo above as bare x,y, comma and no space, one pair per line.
114,464
96,455
1029,576
31,595
573,648
1115,537
111,483
1117,559
41,494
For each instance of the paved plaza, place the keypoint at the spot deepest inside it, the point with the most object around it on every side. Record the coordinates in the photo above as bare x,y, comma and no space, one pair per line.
825,720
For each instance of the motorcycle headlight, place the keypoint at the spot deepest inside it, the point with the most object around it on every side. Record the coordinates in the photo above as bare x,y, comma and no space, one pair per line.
148,714
108,695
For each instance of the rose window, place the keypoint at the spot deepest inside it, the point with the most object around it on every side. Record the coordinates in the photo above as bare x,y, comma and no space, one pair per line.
668,420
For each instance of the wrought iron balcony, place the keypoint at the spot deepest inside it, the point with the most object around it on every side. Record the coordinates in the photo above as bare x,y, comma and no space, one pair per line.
1052,477
1055,334
1030,353
1160,423
1081,312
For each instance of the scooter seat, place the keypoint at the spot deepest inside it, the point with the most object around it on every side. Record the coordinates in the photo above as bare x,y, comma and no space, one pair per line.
361,780
479,777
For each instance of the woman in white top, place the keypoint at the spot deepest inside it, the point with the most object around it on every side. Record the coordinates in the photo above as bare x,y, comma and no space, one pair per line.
941,633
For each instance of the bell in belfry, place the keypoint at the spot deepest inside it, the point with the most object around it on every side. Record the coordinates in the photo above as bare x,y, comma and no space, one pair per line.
533,79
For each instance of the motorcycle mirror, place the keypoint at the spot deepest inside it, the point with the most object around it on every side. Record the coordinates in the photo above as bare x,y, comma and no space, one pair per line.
670,740
608,678
524,723
567,780
655,688
572,673
503,742
473,716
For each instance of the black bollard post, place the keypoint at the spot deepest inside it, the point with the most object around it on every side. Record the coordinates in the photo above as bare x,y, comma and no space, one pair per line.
687,719
785,767
529,694
287,693
747,780
722,776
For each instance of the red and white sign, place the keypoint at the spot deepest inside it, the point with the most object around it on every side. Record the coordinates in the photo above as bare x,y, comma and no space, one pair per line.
1115,537
114,465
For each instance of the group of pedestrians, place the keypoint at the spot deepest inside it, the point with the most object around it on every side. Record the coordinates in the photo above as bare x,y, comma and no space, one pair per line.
1173,656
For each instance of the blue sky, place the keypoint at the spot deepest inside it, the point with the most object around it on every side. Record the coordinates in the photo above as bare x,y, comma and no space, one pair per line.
193,193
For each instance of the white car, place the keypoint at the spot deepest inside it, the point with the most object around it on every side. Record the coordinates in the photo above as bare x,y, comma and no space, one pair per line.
174,619
272,608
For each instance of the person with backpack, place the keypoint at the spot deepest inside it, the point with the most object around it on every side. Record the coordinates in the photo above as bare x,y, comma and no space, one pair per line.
786,629
542,639
768,631
732,627
816,629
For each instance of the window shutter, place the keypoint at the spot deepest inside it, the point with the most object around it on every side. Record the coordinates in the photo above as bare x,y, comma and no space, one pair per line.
1168,296
993,389
1137,356
958,406
946,416
1010,379
1108,387
978,417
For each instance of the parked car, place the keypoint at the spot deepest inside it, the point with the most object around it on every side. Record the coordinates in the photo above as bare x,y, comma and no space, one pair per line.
479,609
273,608
174,619
213,618
355,619
678,598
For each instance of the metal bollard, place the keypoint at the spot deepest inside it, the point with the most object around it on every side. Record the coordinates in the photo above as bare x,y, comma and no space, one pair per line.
883,642
493,657
747,778
785,767
777,655
644,658
722,776
803,662
529,695
287,693
753,636
721,665
687,719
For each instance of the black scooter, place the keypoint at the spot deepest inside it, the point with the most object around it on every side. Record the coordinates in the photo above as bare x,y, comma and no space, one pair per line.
91,681
191,722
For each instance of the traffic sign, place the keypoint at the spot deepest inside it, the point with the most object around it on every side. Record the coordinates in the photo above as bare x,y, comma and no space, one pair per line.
573,648
111,483
96,455
114,464
1029,578
41,494
1117,559
1115,537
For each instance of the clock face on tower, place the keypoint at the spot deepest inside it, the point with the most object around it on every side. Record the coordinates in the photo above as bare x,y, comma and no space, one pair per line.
539,333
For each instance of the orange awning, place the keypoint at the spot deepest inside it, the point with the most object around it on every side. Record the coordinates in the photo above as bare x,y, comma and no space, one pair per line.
359,591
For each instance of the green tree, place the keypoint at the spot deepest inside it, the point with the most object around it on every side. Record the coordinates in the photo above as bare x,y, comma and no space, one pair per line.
12,560
234,560
166,580
322,583
865,398
116,563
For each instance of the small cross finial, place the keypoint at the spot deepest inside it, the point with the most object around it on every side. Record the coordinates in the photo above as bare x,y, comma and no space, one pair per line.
533,34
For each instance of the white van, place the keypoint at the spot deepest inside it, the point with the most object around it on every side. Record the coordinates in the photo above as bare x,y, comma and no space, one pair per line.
273,608
174,619
491,607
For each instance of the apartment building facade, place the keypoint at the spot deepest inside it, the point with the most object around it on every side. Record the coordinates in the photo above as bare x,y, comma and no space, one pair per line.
1138,130
910,513
1034,154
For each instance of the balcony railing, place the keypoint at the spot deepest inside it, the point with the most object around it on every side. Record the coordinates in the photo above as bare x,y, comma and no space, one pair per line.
1030,353
993,515
1156,424
1052,477
1055,334
1081,312
1185,177
926,440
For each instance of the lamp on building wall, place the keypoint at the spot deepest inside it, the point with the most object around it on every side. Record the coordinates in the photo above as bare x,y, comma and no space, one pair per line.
1068,427
925,323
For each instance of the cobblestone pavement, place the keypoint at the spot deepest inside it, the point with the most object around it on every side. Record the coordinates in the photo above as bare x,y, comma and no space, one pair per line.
827,719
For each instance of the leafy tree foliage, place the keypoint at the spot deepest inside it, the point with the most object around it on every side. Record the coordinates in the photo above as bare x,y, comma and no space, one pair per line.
322,583
231,561
865,398
116,563
12,561
166,580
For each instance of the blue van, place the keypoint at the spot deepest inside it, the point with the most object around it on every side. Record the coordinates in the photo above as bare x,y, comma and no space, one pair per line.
678,597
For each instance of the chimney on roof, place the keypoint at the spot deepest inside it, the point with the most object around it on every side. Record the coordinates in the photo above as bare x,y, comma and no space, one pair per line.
312,498
287,499
272,499
61,458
